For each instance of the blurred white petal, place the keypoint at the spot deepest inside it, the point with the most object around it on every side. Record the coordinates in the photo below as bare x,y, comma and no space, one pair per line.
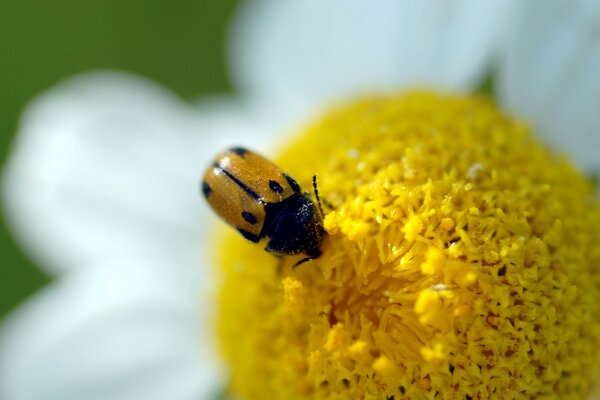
108,164
130,329
238,123
298,54
551,75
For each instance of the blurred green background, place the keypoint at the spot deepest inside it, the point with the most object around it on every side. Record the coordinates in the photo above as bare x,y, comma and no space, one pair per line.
179,44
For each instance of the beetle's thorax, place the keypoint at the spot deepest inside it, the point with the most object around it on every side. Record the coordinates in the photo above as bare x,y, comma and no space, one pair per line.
293,226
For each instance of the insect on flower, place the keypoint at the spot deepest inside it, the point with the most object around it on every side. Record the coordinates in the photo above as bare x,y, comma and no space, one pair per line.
257,198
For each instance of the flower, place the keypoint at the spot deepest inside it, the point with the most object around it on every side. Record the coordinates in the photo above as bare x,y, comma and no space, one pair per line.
101,186
461,262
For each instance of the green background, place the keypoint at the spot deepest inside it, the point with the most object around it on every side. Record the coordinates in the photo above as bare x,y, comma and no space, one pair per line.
179,44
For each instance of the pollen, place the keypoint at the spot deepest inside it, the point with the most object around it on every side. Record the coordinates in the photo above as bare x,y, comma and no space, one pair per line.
294,294
461,262
412,228
434,261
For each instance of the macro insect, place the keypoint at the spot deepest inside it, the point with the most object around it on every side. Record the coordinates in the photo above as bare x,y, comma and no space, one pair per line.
257,198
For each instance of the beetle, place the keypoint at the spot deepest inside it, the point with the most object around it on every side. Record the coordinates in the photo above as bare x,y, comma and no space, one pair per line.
257,198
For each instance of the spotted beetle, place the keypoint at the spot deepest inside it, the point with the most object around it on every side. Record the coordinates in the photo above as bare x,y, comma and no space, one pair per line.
257,198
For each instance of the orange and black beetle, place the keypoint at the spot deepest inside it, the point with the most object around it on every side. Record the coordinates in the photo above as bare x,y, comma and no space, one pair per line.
253,195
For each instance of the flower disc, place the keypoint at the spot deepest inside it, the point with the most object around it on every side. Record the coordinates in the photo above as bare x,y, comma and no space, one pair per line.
461,263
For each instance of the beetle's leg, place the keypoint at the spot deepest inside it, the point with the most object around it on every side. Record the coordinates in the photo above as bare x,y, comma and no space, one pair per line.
280,263
311,253
302,261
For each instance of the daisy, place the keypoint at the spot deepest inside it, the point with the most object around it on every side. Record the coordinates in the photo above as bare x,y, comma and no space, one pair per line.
102,184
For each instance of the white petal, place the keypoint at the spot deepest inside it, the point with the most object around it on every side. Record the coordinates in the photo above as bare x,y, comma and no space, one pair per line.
110,164
236,122
132,329
551,75
300,53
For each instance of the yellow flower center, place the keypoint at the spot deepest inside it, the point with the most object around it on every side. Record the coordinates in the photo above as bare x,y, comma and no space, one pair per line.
461,263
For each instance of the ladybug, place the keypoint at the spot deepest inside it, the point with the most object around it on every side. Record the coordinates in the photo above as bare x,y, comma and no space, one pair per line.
258,199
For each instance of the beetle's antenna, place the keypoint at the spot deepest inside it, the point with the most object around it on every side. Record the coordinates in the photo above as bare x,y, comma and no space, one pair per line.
317,195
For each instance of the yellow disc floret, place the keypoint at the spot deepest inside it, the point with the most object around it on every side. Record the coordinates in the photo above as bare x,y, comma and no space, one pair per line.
461,262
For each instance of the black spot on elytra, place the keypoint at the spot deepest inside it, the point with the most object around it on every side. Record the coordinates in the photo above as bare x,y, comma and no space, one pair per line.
293,183
502,271
248,235
206,189
241,184
275,186
240,151
249,217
